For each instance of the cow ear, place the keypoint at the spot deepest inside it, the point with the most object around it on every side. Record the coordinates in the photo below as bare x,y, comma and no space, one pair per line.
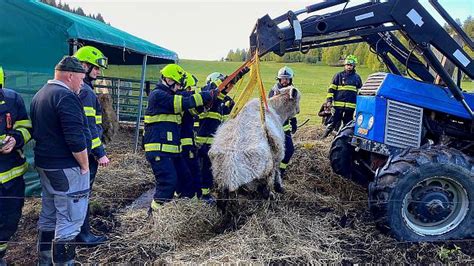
293,93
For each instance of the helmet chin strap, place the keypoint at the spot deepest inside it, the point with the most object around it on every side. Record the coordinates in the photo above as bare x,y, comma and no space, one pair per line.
88,73
169,85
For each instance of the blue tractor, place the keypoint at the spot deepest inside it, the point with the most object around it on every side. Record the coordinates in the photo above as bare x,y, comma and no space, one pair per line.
412,139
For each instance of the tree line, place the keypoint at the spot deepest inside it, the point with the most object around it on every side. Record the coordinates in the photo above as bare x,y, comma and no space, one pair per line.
335,55
78,11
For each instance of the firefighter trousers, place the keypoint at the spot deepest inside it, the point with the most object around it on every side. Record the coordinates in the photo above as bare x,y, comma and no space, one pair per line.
12,199
289,151
206,167
191,160
342,115
169,171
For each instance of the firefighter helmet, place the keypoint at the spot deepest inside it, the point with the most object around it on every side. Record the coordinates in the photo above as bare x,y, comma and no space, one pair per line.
216,77
285,72
174,72
351,60
92,56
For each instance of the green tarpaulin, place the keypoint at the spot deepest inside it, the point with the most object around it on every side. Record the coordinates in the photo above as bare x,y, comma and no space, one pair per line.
35,36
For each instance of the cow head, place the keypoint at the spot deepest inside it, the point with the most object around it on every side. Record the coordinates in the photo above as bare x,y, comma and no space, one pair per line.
287,102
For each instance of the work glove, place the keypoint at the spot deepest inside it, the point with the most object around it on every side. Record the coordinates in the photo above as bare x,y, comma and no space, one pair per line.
214,93
240,75
294,125
229,102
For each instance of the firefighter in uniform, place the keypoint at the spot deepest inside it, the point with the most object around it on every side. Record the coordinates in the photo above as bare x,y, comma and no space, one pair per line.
285,78
14,134
93,60
188,144
162,138
342,94
209,121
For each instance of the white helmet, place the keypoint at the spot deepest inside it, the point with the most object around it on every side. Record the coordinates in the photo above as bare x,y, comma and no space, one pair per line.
216,77
285,72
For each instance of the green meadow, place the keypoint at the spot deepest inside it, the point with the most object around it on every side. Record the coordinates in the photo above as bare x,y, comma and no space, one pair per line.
311,79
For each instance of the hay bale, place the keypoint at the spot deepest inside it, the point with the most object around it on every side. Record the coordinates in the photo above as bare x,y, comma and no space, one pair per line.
322,218
110,122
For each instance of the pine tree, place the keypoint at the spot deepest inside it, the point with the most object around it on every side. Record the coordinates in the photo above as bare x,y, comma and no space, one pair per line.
79,11
100,18
230,55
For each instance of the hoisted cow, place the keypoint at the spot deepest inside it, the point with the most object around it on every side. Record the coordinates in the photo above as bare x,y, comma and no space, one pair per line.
246,153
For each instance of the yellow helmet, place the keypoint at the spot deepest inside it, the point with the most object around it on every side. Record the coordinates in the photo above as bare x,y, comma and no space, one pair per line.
2,78
92,56
351,60
191,80
174,72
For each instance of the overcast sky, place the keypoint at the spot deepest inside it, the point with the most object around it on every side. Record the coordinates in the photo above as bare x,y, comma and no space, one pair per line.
208,29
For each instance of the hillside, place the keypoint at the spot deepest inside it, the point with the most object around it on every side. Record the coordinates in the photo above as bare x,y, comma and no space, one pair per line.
311,79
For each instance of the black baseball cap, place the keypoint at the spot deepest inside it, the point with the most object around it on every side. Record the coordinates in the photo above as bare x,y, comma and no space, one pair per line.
70,64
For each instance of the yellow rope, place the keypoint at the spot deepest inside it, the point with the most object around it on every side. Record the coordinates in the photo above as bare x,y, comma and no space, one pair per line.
245,95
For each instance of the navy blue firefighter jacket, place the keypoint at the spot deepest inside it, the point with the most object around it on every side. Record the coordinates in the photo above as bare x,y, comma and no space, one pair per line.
14,122
93,111
163,119
212,118
343,89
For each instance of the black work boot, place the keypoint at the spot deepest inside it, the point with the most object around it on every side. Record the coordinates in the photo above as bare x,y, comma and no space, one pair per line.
64,253
86,237
45,239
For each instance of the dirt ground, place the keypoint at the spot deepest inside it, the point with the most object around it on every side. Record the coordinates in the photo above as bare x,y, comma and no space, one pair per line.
322,218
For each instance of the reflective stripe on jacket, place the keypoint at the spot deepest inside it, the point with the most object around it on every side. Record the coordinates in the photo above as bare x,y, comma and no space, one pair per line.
163,119
92,109
14,122
343,89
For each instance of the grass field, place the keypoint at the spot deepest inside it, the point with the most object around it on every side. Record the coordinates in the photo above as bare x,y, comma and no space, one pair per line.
312,80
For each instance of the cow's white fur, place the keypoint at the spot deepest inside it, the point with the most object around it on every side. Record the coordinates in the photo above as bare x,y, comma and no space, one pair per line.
244,150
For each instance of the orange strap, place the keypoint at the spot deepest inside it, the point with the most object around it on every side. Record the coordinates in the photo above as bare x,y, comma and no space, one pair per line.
224,86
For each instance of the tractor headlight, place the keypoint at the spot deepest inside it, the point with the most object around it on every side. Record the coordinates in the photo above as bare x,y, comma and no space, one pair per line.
360,119
371,123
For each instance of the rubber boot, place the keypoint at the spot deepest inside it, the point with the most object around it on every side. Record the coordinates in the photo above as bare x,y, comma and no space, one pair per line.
155,207
207,197
3,262
45,239
86,237
277,183
64,253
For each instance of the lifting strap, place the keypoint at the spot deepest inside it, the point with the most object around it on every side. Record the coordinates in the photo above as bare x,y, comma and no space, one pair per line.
254,81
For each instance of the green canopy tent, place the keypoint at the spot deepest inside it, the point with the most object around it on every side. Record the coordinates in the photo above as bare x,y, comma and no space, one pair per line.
35,36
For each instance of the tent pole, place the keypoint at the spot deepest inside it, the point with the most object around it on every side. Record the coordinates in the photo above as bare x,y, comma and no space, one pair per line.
139,115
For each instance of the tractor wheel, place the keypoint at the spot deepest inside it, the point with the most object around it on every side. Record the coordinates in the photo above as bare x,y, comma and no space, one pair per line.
425,195
343,158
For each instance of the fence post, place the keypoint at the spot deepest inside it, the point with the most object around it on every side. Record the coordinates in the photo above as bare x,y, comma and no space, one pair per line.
142,87
118,99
